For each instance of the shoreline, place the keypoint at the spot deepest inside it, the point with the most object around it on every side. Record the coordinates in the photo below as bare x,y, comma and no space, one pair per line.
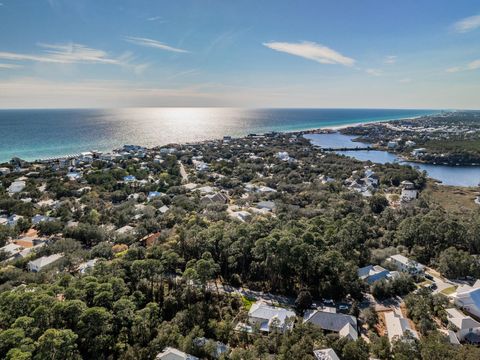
302,131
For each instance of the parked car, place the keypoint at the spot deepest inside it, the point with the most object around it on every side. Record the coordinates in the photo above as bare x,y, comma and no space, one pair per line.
429,277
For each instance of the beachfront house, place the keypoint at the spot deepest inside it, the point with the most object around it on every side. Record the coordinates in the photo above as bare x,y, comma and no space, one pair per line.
397,326
268,317
328,319
468,298
465,328
170,353
405,264
4,171
41,263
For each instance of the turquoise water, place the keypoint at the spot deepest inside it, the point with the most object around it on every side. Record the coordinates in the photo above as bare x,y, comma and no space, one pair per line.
448,175
35,134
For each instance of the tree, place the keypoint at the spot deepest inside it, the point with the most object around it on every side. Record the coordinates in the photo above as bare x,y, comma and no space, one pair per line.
454,263
303,301
406,348
18,354
370,317
356,350
435,346
95,328
378,203
57,344
380,347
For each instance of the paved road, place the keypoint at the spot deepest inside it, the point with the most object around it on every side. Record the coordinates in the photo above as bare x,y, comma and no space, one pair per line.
441,283
259,295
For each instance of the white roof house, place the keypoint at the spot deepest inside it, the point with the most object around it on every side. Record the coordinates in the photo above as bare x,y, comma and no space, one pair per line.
325,354
4,171
40,263
170,353
467,328
265,316
16,186
397,326
163,209
405,264
409,195
330,320
468,298
11,249
85,266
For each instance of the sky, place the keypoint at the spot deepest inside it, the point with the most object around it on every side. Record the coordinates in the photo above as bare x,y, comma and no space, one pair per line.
245,53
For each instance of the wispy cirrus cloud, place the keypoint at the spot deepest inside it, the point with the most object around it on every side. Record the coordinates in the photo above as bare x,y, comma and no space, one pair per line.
390,59
311,51
72,53
467,24
153,44
9,66
374,72
157,19
474,65
66,54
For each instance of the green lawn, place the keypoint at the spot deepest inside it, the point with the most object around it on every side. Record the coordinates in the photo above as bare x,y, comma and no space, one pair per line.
247,303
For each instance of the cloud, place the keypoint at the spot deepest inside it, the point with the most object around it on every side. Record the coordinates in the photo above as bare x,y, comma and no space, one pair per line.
9,66
72,53
66,54
474,65
312,51
157,18
152,44
405,80
183,73
390,59
374,72
467,24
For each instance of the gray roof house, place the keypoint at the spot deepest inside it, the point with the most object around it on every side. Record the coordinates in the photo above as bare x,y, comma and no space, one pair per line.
217,198
372,273
466,328
170,353
40,263
325,354
266,316
267,205
328,319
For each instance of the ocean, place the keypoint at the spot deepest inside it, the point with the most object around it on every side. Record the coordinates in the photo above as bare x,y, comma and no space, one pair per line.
39,134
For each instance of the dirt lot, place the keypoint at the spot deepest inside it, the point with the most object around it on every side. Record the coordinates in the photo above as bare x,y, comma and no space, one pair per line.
452,198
